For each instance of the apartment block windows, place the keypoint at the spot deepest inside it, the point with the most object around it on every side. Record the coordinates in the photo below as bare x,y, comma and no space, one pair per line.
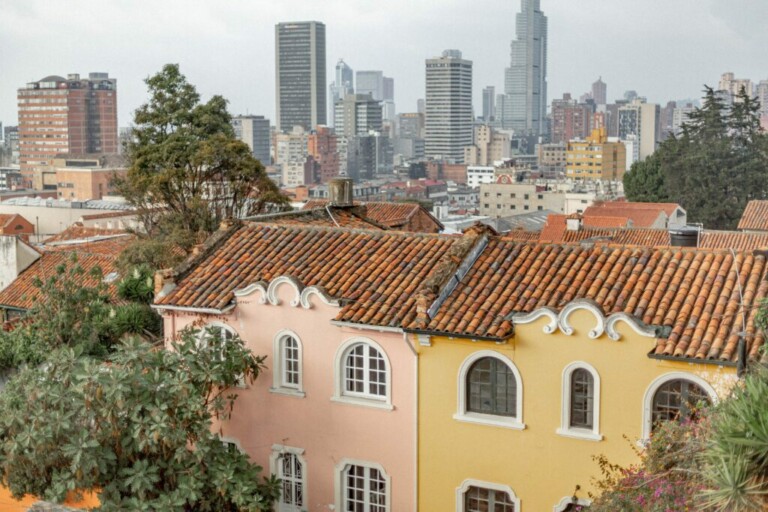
287,376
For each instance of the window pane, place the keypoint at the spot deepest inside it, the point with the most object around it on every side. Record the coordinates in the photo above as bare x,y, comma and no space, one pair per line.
291,472
291,364
491,388
582,399
478,499
365,371
676,401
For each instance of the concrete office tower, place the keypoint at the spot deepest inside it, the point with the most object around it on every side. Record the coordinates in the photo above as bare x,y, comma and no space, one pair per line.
489,104
371,82
64,115
357,114
525,82
254,131
600,92
388,100
341,86
449,107
300,84
640,120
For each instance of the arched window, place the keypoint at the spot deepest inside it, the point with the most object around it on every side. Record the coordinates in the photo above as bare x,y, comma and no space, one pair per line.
218,329
362,487
362,374
477,496
572,504
580,413
490,390
674,397
676,400
290,467
287,371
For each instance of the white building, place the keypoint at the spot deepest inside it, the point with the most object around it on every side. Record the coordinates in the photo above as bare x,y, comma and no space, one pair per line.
478,175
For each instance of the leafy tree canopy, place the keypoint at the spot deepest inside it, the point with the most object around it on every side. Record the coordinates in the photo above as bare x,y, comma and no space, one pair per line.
70,313
713,168
187,171
137,429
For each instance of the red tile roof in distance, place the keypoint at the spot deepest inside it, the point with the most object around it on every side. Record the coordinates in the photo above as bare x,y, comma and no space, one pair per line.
755,216
392,215
323,216
692,293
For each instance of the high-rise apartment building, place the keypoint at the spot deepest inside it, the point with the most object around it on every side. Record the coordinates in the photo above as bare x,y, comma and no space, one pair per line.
300,84
525,83
11,144
357,114
489,104
254,131
570,119
638,121
733,85
761,92
64,115
600,92
291,152
322,147
490,146
448,106
595,158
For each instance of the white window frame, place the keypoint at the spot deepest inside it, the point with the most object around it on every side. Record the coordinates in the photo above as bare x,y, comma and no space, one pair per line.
568,500
340,394
278,386
226,440
470,482
204,331
340,483
462,414
566,429
278,450
660,381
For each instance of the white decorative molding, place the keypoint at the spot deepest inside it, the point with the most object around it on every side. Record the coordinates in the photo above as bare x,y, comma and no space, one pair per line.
639,327
527,318
603,325
259,286
303,295
568,500
471,482
425,340
275,284
306,297
581,304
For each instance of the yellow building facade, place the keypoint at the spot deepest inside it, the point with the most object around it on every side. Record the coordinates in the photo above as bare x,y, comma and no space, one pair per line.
595,158
533,461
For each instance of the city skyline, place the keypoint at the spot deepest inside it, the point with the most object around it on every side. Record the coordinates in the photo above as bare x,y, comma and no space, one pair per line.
231,52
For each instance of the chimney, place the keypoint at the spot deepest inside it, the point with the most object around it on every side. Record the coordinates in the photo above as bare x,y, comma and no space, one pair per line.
164,282
573,224
340,192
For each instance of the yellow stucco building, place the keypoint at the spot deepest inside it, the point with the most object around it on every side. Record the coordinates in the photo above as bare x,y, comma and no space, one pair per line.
595,158
544,356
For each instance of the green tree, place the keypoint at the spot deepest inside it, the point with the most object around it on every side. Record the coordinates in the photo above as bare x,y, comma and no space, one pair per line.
69,311
138,429
646,182
719,161
187,171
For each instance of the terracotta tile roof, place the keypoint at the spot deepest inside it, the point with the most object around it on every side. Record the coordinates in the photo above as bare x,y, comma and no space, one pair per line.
643,215
521,235
79,232
108,215
691,293
755,216
22,293
733,240
668,208
110,246
337,217
605,221
392,215
376,274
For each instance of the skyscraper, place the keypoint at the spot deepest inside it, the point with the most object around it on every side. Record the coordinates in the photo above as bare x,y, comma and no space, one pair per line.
525,82
371,82
489,104
300,84
341,86
600,92
357,114
449,106
64,115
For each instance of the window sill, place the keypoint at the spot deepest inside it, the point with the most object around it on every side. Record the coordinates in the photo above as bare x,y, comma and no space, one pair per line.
587,435
362,402
288,392
491,421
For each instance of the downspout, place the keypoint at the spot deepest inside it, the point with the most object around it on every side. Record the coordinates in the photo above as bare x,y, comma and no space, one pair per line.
741,354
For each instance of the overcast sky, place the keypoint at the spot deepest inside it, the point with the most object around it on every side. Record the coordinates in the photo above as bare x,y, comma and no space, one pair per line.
664,49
